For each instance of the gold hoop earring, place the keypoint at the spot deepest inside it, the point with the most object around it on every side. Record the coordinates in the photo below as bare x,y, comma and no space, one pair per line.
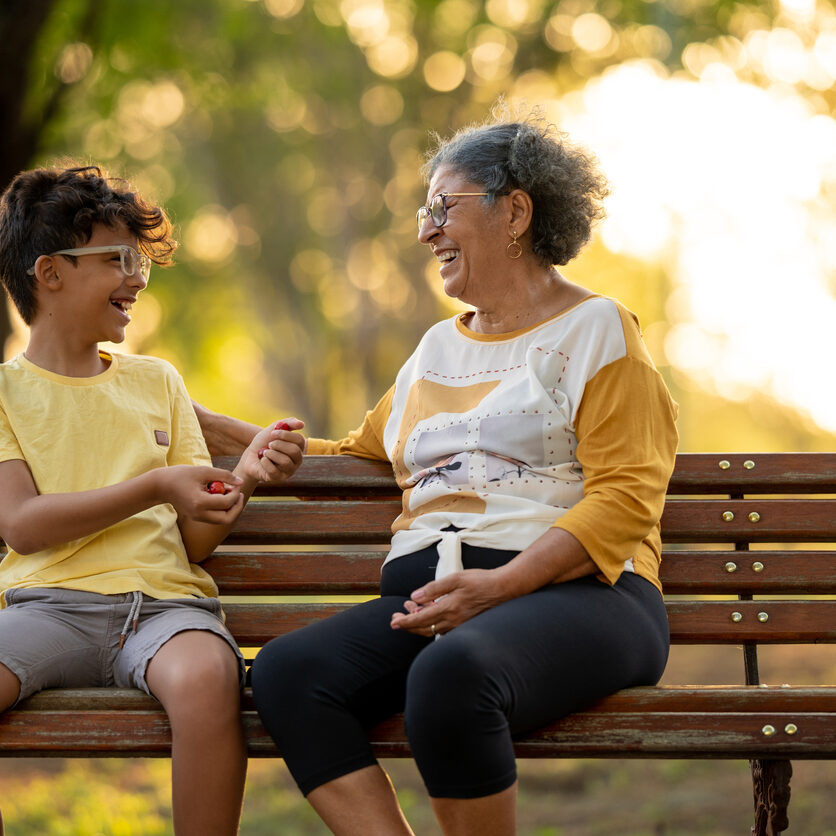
514,249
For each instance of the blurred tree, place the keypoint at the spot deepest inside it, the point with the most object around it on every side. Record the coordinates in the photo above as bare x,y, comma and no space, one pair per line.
21,24
285,137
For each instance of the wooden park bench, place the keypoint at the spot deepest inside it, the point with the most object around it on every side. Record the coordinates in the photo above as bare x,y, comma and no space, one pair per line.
748,561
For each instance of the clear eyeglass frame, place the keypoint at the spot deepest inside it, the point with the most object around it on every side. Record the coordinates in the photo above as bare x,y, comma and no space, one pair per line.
129,258
437,209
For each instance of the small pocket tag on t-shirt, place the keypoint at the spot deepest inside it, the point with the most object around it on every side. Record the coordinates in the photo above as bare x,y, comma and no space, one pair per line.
162,437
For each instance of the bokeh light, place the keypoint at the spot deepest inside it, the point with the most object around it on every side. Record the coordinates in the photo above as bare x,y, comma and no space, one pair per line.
381,104
74,62
444,71
211,237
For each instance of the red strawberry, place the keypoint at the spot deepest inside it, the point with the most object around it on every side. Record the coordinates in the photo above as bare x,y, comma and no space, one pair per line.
261,452
216,487
282,425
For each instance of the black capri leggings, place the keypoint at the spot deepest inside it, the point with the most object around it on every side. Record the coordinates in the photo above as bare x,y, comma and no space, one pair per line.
508,670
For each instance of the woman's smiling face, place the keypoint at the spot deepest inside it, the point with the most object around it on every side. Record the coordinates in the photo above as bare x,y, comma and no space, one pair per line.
470,245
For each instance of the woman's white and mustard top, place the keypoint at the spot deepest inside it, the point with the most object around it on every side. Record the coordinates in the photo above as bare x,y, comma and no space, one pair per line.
495,438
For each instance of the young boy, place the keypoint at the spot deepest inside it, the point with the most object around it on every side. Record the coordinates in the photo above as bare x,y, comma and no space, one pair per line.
105,501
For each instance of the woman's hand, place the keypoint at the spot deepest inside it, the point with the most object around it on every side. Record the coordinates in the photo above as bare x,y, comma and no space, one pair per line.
554,557
439,606
275,453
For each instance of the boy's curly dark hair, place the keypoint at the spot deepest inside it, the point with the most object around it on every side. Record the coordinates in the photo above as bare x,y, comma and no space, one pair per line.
48,209
562,179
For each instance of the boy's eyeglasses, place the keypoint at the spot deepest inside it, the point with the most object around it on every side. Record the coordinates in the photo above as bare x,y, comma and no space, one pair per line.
129,259
437,210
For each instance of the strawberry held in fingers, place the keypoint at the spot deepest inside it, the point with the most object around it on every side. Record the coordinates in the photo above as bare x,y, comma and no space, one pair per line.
217,487
280,425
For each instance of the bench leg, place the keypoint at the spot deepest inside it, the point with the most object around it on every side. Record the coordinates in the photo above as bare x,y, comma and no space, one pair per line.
771,784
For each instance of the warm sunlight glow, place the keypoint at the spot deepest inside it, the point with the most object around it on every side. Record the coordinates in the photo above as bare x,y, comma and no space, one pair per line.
731,186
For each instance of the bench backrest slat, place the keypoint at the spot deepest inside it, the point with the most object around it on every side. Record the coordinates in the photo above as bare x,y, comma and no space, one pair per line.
744,473
776,520
338,571
694,473
328,521
693,520
691,622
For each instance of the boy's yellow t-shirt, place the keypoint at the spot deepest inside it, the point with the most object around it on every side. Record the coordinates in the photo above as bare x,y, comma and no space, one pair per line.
77,434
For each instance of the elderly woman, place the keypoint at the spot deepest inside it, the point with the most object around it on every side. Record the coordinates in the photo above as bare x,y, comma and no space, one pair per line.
533,439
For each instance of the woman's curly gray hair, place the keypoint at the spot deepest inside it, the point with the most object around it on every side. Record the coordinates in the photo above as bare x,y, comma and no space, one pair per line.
563,180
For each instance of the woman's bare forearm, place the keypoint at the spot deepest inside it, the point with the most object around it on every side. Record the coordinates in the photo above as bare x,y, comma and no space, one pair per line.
555,557
225,435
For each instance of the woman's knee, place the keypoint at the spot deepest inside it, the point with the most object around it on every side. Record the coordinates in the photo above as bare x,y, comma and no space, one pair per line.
453,678
285,669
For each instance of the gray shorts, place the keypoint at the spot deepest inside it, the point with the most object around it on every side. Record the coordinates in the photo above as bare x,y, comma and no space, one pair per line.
62,638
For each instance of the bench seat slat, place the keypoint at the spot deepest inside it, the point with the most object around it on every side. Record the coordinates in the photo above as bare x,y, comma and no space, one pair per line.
585,734
661,698
718,721
655,734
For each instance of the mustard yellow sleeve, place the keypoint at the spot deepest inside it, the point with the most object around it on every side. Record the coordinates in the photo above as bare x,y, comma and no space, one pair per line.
627,441
366,442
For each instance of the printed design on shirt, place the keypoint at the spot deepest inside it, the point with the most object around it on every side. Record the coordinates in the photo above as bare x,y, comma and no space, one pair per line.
463,502
161,437
427,399
460,447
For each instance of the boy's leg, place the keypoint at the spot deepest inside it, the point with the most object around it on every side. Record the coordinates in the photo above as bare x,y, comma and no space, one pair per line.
196,676
9,692
49,638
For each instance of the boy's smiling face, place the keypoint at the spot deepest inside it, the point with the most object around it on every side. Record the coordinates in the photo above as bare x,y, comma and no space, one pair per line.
98,294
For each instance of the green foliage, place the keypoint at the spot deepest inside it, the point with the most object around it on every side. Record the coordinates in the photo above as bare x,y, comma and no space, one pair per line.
285,138
556,798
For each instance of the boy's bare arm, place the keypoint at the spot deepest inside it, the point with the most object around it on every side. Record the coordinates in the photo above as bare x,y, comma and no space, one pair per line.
30,521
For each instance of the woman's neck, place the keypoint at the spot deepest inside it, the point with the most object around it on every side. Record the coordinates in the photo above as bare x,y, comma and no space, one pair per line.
524,305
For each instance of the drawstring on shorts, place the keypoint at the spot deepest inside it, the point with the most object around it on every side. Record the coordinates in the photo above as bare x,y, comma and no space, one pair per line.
133,617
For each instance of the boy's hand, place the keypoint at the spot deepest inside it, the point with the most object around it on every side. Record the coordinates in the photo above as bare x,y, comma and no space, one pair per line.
275,453
186,487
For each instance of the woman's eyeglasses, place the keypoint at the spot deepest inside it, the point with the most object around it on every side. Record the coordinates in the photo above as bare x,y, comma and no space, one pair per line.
129,259
437,209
